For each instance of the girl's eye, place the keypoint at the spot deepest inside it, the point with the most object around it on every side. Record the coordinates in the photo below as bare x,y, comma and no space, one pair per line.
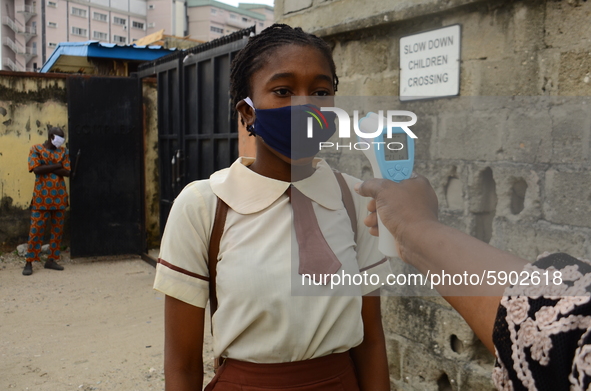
322,93
282,91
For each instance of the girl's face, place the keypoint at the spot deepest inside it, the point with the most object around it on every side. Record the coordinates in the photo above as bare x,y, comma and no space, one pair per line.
290,70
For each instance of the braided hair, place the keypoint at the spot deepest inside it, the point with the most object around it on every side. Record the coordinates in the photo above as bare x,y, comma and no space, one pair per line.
260,47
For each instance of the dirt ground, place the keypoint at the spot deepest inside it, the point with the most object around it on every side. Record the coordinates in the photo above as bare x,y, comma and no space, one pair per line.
97,325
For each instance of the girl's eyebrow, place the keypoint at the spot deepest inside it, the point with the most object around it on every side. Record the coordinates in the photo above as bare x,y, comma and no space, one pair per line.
288,75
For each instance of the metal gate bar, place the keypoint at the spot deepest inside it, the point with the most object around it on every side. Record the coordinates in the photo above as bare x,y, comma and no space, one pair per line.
197,133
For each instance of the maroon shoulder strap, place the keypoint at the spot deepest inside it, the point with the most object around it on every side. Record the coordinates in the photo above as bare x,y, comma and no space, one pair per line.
217,231
348,202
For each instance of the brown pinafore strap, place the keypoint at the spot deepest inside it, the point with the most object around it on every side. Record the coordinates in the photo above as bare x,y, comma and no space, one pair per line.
217,231
347,198
221,211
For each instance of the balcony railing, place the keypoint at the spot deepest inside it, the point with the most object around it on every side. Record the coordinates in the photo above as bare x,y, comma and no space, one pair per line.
25,8
28,11
11,23
27,31
7,62
237,22
27,52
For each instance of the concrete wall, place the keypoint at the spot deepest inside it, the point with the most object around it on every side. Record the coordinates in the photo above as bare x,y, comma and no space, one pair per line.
151,162
29,105
515,172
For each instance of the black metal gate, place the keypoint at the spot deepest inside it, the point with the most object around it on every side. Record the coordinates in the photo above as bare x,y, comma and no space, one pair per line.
197,134
106,152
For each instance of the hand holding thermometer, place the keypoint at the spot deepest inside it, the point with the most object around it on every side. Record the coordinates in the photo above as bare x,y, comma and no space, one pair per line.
390,157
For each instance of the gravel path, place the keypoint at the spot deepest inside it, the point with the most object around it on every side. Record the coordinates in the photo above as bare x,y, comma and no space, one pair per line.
97,325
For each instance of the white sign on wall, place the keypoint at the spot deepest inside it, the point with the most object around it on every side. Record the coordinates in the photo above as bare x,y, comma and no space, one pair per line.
430,64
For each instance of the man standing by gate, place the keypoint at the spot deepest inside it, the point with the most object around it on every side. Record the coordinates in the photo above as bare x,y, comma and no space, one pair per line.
50,163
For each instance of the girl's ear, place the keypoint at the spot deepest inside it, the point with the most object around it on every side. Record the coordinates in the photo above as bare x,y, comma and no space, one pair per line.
246,112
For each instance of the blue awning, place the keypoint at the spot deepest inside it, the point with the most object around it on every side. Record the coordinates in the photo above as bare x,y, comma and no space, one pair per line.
76,54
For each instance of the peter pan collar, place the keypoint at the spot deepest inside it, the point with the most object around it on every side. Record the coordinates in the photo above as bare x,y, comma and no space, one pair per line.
247,192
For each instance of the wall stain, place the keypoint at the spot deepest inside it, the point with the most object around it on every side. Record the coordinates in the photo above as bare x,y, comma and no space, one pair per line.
41,95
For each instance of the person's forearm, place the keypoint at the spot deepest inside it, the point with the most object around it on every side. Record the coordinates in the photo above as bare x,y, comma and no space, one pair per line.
62,172
371,365
46,169
435,248
371,362
409,210
184,379
432,246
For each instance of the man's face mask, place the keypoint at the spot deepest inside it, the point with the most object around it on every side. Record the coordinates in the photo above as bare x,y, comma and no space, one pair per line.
287,129
57,141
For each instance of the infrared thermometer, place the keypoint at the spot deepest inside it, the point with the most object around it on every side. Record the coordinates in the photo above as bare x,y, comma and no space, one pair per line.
390,150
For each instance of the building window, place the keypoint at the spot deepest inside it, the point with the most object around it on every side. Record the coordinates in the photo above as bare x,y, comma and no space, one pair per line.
52,4
79,12
216,30
119,39
261,24
100,17
245,19
100,36
52,44
119,21
214,11
52,24
151,6
232,16
151,25
137,25
79,31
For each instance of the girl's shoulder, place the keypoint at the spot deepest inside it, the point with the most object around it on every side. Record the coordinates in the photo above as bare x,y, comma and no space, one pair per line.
198,194
359,201
351,182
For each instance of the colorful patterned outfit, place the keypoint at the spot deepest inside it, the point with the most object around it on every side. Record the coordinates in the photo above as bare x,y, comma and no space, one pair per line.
49,202
542,332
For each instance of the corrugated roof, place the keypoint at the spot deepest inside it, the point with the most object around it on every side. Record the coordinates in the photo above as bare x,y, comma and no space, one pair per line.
227,7
95,49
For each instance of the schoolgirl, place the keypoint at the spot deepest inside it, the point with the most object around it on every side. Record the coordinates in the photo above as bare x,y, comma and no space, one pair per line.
269,336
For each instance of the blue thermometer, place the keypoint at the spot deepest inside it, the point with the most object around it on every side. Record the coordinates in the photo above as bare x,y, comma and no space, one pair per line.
390,158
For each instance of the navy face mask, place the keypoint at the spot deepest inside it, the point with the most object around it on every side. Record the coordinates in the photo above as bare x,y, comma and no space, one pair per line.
286,129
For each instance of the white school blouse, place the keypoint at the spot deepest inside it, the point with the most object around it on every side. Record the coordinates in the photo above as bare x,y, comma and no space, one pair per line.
267,312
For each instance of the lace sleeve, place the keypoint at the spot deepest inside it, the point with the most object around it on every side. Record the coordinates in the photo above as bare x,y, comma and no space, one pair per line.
542,332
